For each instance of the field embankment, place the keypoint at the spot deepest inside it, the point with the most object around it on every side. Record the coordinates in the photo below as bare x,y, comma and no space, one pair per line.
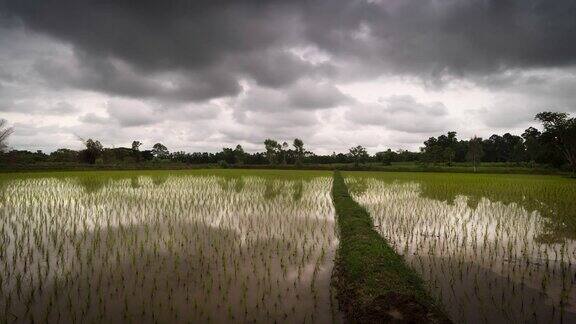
486,168
373,283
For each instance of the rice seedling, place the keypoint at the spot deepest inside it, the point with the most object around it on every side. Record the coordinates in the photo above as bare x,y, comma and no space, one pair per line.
200,246
491,248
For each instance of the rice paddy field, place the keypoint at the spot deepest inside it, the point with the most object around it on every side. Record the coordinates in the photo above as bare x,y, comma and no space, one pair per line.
259,245
193,246
490,248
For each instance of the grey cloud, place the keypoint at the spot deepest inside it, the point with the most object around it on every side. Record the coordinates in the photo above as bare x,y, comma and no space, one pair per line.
402,113
33,108
305,95
136,113
431,39
92,118
116,77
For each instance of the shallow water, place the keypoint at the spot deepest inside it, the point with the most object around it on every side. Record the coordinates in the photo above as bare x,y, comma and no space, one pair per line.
167,248
484,260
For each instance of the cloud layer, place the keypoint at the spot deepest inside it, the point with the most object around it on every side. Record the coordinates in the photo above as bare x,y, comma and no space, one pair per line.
202,74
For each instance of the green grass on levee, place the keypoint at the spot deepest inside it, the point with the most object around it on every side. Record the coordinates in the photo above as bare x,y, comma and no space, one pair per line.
371,279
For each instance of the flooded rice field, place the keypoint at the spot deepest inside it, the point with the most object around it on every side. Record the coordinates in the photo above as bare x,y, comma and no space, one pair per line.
491,248
200,246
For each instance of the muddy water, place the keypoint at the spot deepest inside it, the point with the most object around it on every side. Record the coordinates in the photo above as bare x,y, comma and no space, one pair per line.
186,248
484,263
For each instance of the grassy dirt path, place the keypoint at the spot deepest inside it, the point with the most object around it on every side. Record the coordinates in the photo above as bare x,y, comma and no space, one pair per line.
373,283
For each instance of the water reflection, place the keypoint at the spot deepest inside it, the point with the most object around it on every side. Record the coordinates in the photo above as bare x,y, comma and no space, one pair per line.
185,248
481,258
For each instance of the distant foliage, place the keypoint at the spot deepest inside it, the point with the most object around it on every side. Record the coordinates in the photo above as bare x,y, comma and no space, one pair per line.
5,132
554,146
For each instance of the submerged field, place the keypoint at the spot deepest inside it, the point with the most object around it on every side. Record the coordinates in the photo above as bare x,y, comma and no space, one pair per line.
219,246
490,248
259,246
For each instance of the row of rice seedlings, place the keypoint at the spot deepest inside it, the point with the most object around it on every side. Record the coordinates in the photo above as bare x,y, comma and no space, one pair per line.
483,263
187,249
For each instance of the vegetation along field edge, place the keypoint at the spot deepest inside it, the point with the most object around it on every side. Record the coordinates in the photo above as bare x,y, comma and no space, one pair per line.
373,283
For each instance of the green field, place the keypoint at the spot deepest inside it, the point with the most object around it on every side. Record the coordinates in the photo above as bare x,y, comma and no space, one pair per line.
260,246
491,248
195,246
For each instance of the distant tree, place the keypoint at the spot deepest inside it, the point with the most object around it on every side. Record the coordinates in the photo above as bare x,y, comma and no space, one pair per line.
272,150
560,131
136,145
160,151
531,138
228,156
92,152
239,154
64,155
358,154
386,157
475,151
136,151
518,153
5,132
433,149
449,154
284,152
299,149
448,140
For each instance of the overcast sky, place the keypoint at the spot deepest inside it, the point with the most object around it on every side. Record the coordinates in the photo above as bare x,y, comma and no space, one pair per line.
200,75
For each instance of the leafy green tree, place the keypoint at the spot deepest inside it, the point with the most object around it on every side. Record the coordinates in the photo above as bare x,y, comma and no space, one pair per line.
136,145
432,151
560,131
475,151
136,150
386,157
299,149
272,150
449,154
228,155
160,151
441,149
358,154
532,143
64,155
5,132
92,152
239,154
284,152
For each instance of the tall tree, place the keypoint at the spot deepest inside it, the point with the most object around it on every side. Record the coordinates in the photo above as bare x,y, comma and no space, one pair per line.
136,145
272,150
5,132
160,151
475,151
532,143
136,151
299,148
358,154
560,131
449,154
284,152
93,151
228,156
386,157
239,154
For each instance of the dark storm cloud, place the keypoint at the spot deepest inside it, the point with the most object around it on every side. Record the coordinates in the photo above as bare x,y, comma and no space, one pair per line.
209,46
447,39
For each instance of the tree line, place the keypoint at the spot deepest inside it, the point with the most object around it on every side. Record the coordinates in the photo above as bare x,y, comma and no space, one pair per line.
555,145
